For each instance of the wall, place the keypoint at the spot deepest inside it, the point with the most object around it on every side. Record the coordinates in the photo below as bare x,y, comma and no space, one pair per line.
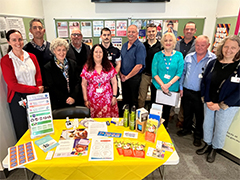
13,8
85,9
227,8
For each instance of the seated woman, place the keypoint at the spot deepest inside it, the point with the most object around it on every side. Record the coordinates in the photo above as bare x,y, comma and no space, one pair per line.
167,68
220,89
98,94
23,76
61,76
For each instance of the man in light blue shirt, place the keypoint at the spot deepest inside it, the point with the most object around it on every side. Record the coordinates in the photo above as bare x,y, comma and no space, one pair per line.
195,64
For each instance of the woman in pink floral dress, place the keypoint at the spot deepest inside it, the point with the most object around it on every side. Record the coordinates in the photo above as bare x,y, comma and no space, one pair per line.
99,85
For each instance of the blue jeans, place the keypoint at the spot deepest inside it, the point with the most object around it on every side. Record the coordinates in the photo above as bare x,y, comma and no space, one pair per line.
216,125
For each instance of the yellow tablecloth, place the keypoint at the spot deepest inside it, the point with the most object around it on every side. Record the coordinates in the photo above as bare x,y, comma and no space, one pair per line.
72,168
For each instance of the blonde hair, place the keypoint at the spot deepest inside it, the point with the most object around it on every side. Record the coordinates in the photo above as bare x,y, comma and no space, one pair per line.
58,42
173,37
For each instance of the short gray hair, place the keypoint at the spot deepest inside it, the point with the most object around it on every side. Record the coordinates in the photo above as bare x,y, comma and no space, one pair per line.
173,37
203,36
58,42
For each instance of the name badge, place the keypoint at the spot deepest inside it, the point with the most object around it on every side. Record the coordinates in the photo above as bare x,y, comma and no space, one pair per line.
235,79
99,90
200,76
166,76
109,58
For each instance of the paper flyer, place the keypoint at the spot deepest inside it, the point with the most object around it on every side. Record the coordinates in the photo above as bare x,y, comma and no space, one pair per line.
222,31
165,146
101,150
3,30
117,42
62,29
111,26
46,143
158,23
94,128
86,28
170,26
72,25
16,23
21,155
39,114
97,27
156,153
121,28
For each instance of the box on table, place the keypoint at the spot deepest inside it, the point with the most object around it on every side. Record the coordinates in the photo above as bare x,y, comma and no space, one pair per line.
141,119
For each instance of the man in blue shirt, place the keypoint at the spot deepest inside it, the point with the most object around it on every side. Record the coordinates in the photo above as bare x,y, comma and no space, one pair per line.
133,56
195,64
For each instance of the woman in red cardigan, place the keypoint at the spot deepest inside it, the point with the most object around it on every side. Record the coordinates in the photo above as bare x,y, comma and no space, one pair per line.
22,75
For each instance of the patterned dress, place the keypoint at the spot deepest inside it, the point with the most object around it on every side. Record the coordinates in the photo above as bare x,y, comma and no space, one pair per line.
100,93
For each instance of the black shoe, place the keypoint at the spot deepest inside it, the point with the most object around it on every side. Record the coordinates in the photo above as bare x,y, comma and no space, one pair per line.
183,132
211,156
207,148
197,142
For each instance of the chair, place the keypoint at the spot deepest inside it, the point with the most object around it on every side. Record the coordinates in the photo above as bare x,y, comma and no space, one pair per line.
71,112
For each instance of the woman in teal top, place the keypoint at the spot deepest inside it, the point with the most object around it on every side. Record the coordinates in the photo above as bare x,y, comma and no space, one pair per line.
167,68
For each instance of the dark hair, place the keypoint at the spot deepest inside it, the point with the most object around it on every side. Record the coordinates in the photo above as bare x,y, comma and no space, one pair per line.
219,53
190,22
35,20
11,31
105,29
152,25
105,62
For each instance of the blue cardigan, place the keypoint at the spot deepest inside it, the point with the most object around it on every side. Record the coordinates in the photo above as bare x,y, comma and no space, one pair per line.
229,92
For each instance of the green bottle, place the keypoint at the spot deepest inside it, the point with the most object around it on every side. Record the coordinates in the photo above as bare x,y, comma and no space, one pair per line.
126,115
132,121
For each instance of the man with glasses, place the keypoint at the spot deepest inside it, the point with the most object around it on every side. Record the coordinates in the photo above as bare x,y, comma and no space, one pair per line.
152,46
39,47
78,51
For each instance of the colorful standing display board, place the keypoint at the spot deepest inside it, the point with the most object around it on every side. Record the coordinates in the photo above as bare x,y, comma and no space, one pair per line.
39,114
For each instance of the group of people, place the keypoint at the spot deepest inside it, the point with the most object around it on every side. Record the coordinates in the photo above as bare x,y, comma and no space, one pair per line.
74,74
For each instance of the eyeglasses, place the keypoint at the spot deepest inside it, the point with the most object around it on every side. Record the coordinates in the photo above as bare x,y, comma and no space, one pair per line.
76,35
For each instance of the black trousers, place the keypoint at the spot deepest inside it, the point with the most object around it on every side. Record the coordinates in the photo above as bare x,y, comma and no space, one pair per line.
19,115
193,105
130,90
166,108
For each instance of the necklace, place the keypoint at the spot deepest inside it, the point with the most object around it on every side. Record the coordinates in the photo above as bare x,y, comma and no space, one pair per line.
223,66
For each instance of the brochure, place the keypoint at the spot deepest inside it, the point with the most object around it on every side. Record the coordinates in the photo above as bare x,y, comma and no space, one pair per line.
156,153
95,127
165,146
46,143
118,144
101,150
127,147
21,155
139,149
151,130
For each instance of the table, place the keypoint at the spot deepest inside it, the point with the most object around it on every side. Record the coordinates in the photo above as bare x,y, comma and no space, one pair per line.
80,168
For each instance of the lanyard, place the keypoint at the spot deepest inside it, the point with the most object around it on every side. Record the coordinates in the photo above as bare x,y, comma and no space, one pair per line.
167,64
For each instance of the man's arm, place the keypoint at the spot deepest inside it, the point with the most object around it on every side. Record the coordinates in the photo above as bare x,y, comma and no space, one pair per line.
134,71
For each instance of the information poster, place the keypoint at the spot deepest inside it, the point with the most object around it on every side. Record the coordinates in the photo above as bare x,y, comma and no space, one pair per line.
16,23
62,29
97,27
39,114
121,28
142,26
72,25
111,26
222,31
170,26
117,42
158,23
86,28
3,29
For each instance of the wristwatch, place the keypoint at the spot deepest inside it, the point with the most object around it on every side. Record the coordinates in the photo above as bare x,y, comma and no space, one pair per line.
115,96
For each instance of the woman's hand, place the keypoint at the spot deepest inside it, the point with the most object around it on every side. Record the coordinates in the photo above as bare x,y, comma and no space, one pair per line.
70,101
165,88
87,104
114,101
41,89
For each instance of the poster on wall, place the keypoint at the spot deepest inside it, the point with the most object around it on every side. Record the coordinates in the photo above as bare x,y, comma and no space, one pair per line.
62,29
111,26
142,26
158,23
88,42
86,28
3,29
170,26
4,48
222,31
97,27
121,28
16,23
72,25
117,42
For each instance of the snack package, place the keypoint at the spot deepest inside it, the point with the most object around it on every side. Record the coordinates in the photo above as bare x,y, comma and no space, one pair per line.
127,148
151,130
139,149
118,144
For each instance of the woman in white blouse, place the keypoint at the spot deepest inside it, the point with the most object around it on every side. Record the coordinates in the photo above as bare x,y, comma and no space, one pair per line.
22,75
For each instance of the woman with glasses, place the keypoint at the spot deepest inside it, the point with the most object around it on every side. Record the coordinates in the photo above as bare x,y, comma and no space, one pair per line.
23,76
62,76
